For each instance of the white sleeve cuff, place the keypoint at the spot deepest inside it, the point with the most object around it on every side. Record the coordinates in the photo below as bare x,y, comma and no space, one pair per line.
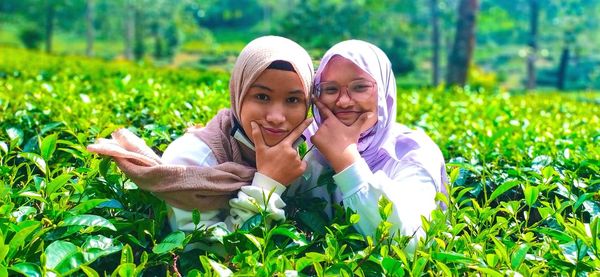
349,179
267,184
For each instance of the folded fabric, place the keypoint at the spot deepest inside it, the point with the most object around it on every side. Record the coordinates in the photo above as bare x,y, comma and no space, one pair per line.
184,187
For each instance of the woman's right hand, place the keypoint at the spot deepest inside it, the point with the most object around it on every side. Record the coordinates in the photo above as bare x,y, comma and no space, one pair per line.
336,141
280,162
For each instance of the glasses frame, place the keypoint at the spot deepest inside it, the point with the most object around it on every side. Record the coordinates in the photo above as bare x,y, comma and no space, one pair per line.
339,93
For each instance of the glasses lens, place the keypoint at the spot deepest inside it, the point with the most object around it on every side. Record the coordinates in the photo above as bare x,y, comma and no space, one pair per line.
328,90
360,89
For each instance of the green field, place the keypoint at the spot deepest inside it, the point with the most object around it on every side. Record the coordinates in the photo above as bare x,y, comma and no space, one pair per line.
524,170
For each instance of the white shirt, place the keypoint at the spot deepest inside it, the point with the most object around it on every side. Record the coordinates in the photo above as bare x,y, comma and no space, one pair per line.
411,190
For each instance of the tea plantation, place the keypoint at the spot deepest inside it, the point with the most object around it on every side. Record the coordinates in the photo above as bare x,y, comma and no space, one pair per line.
524,171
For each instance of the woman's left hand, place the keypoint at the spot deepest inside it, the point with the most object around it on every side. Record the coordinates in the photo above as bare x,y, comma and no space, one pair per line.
336,141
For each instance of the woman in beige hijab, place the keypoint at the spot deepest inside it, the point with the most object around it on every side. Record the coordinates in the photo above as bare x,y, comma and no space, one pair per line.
227,169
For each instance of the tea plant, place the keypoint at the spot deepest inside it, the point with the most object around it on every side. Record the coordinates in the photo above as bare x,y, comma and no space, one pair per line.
524,177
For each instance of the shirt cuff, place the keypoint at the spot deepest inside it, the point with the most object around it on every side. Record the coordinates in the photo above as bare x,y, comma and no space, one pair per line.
266,183
349,179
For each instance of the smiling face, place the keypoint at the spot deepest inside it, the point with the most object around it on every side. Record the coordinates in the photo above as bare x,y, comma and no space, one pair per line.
344,72
276,101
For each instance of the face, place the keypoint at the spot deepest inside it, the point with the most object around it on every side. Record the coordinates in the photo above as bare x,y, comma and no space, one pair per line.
276,101
345,75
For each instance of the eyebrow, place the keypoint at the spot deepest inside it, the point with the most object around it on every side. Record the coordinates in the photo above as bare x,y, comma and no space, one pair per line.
296,91
357,79
261,86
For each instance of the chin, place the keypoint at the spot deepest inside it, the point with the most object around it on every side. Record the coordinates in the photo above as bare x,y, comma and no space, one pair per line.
272,143
348,121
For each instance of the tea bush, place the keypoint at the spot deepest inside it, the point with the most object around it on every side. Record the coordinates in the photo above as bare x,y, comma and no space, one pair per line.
524,171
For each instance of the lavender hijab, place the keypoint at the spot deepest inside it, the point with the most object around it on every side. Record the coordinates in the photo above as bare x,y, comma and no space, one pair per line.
387,140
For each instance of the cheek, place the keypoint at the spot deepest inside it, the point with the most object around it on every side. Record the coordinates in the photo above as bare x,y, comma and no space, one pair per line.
248,114
296,115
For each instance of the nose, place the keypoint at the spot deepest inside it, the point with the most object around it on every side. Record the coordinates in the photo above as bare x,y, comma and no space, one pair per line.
344,99
275,115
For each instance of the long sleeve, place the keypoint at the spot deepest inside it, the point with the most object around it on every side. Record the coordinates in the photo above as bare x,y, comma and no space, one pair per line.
189,150
411,190
262,195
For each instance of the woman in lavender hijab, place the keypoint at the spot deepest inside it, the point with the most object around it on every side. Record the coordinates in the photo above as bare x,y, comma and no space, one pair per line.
356,135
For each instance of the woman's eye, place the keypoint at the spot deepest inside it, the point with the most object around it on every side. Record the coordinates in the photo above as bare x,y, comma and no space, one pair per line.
262,97
330,90
293,100
360,88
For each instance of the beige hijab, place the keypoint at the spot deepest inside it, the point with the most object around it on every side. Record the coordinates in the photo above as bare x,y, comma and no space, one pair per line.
199,187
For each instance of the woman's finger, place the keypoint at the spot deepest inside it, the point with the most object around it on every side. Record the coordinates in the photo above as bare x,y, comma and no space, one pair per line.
257,138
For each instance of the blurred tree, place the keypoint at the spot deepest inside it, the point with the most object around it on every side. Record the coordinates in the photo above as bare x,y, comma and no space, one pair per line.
318,24
229,13
435,42
532,53
129,29
49,7
31,37
89,20
464,43
139,17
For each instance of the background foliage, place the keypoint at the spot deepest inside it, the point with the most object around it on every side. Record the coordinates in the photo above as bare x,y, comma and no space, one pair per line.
210,33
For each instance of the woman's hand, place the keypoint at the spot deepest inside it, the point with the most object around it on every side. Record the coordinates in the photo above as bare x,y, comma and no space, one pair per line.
336,141
280,162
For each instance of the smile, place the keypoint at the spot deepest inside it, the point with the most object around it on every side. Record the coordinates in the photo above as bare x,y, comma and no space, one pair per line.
274,131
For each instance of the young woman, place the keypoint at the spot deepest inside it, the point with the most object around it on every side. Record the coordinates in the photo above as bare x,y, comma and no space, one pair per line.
356,136
206,167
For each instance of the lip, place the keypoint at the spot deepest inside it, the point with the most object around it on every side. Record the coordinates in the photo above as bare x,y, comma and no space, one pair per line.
274,131
345,113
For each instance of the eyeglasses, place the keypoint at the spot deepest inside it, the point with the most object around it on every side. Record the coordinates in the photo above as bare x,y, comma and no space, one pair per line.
357,90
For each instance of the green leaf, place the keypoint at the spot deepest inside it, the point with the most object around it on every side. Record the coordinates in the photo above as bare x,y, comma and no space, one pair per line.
49,127
385,207
303,263
35,159
88,220
87,205
89,272
98,246
392,267
582,198
452,257
291,233
63,257
27,269
127,254
252,222
196,217
22,212
354,218
15,135
256,241
23,230
487,271
519,256
503,188
418,266
172,241
48,146
124,270
4,147
57,183
531,194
